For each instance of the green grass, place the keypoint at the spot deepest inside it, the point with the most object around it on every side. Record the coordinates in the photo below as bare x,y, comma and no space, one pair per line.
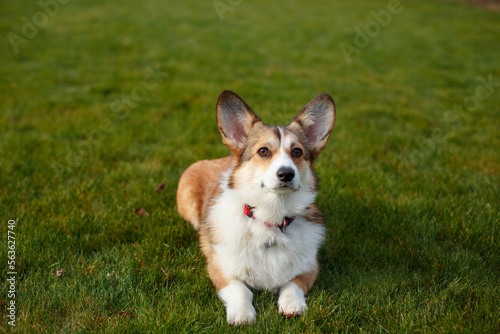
409,190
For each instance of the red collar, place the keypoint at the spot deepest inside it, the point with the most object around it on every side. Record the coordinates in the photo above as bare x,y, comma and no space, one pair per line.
248,211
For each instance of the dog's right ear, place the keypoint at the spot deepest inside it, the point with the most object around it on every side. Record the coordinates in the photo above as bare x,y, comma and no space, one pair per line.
235,120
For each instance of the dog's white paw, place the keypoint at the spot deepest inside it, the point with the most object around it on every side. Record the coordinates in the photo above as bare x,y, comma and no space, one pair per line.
291,308
240,315
238,300
291,301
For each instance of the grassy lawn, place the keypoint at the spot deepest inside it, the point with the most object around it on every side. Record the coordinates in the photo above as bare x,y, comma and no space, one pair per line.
101,102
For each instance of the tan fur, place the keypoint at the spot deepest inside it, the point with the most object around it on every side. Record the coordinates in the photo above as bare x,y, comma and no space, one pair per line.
313,214
306,280
214,272
197,186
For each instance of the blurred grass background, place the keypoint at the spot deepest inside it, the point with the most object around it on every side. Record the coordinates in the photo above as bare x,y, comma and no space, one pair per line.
409,180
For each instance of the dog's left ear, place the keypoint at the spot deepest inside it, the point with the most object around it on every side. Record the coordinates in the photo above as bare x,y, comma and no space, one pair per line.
235,120
317,119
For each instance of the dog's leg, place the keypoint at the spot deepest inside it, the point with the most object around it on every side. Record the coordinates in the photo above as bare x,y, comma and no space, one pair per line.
238,300
292,301
235,295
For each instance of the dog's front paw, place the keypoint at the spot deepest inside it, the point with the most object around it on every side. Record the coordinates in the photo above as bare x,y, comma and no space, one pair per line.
238,300
291,301
292,308
240,315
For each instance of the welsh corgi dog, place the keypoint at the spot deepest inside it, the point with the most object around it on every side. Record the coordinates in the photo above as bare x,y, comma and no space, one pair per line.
254,211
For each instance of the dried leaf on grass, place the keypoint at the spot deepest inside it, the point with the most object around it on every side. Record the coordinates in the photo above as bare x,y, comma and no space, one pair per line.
141,212
129,314
160,187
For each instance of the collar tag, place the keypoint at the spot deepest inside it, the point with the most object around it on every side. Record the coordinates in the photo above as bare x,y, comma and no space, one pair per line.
269,244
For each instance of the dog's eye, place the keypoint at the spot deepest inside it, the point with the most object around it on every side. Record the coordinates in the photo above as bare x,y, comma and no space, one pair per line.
264,152
296,153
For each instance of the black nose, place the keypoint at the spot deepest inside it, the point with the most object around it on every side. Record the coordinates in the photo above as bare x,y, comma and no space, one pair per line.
285,174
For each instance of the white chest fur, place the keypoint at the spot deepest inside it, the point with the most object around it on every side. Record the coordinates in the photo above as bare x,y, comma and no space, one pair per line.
241,250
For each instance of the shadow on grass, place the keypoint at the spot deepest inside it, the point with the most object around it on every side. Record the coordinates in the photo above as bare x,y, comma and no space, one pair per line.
401,240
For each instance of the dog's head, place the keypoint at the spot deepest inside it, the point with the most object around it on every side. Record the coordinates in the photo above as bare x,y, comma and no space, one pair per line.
277,159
